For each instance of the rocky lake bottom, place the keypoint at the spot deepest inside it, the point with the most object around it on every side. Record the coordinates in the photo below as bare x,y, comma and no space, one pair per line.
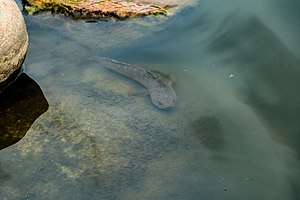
233,133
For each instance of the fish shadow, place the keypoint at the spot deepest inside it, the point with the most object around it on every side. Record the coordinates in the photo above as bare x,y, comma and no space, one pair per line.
208,130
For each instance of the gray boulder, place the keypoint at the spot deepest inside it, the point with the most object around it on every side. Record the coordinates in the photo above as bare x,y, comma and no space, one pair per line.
13,41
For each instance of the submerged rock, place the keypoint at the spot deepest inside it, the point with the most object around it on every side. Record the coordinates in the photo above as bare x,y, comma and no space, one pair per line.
95,9
13,40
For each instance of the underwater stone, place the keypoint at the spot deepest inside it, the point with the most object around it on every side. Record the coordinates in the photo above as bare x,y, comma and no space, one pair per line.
13,41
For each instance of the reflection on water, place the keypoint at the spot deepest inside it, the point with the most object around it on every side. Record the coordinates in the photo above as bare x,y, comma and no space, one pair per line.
226,138
21,104
270,77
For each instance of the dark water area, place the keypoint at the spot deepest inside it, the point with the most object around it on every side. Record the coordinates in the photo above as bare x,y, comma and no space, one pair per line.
233,134
21,104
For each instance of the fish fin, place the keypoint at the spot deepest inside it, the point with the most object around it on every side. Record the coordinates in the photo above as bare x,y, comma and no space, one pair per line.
167,78
140,93
153,73
172,79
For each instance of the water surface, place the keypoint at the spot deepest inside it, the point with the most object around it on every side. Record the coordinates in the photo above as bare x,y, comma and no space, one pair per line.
233,133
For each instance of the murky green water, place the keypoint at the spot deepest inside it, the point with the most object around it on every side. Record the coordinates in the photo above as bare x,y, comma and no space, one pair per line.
234,133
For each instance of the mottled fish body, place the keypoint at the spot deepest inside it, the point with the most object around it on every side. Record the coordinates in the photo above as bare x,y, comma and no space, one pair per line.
134,72
160,88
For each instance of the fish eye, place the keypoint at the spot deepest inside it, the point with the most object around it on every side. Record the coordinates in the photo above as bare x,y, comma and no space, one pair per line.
160,103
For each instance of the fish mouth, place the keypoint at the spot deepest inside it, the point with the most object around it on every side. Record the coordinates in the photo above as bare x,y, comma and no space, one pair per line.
160,103
163,106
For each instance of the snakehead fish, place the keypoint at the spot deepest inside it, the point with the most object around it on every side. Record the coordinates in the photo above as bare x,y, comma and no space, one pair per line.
160,88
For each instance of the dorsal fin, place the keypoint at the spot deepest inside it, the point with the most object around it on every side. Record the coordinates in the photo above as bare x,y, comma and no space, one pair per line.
152,73
167,78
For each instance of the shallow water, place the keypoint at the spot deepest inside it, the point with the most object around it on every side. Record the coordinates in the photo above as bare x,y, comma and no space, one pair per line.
233,134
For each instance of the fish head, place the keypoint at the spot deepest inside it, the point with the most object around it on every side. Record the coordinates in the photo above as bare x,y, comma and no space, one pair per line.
163,96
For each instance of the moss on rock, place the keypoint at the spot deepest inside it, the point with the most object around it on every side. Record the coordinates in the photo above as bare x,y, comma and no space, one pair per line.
97,9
